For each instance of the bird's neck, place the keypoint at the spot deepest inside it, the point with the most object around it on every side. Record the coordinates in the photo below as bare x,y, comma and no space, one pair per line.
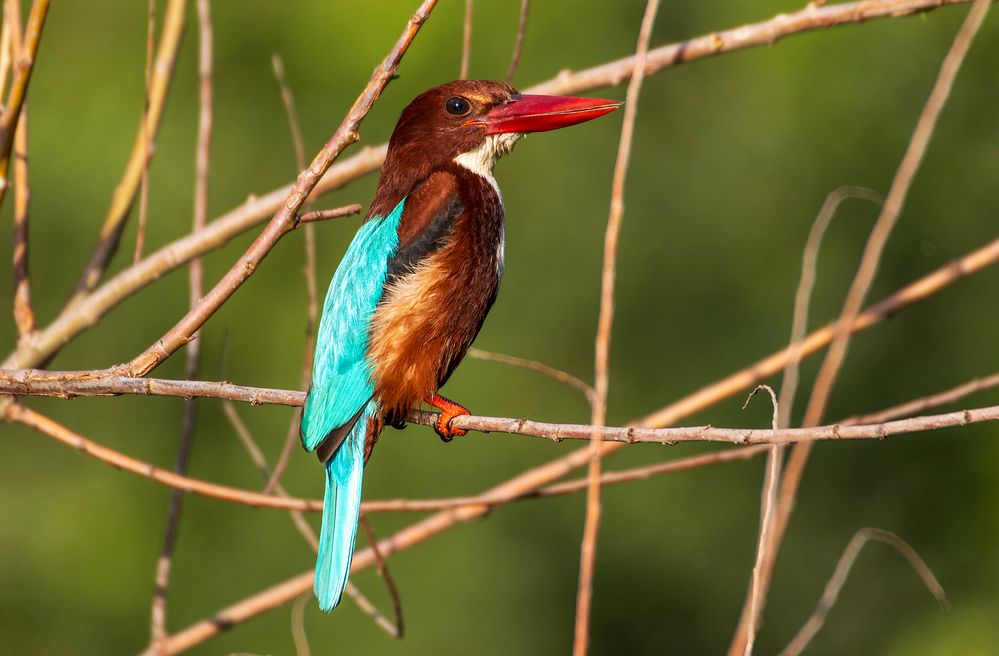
482,159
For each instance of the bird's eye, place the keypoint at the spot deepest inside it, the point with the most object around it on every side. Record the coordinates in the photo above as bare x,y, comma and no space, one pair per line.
457,106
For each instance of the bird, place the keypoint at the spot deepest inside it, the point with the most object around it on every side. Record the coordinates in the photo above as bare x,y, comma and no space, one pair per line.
414,287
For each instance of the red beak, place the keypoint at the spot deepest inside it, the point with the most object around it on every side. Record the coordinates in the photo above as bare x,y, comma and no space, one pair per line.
532,113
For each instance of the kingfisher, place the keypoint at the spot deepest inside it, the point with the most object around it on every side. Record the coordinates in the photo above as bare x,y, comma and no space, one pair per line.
414,287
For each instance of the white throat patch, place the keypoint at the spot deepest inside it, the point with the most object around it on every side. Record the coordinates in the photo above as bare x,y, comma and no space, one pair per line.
482,159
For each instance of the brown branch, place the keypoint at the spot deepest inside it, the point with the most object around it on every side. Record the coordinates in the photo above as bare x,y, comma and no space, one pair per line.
17,383
158,623
518,45
534,365
298,634
842,571
22,65
806,283
24,315
605,322
466,40
42,424
255,210
922,404
916,291
323,215
174,21
89,311
768,506
284,219
309,271
383,571
147,149
831,366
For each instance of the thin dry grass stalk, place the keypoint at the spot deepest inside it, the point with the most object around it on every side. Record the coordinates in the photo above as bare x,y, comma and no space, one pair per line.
518,45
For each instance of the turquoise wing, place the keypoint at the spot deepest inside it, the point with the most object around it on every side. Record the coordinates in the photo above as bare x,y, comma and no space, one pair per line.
341,373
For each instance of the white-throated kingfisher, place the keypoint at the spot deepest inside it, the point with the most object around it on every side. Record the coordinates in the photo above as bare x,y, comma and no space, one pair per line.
414,287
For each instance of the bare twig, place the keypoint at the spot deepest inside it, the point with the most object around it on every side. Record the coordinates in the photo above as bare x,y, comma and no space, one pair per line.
605,321
323,215
870,260
534,365
309,271
768,503
174,21
283,220
89,311
147,150
838,580
383,571
158,630
22,65
24,315
518,45
925,403
298,634
806,283
466,40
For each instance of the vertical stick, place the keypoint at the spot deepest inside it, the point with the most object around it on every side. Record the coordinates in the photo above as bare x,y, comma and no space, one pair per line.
588,548
158,632
466,41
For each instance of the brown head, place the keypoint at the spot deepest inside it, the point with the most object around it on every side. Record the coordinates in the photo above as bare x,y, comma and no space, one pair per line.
471,122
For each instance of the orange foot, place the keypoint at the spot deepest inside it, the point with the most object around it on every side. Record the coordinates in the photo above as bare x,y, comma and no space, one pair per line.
449,410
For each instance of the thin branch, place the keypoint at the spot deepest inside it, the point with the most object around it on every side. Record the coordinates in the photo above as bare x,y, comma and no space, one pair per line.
298,634
806,283
518,45
534,365
916,291
158,624
605,321
147,146
842,571
14,383
283,220
769,503
466,40
933,401
174,21
831,366
383,571
23,65
309,271
24,315
89,311
309,218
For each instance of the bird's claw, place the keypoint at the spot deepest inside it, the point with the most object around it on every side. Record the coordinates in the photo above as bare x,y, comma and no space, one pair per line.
449,410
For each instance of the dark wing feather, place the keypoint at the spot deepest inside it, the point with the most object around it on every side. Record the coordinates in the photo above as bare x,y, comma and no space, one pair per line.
428,216
335,437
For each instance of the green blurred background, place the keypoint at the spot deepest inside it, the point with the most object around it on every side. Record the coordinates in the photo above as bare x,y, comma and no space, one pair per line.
733,157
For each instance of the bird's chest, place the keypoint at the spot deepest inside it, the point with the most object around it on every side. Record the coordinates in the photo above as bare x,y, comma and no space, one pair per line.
430,313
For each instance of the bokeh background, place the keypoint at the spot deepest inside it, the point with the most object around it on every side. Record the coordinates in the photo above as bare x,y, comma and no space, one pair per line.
733,157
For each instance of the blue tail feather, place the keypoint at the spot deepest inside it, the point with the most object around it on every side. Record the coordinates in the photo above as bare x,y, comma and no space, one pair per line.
341,508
